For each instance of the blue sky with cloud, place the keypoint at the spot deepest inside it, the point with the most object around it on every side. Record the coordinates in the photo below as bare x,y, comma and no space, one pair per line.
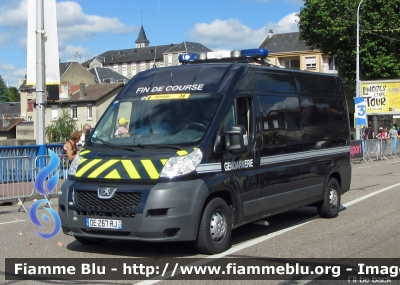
87,28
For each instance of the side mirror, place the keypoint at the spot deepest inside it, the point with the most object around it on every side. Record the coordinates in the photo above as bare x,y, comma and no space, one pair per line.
236,140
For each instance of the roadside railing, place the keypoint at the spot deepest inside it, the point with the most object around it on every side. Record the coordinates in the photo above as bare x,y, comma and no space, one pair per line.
19,166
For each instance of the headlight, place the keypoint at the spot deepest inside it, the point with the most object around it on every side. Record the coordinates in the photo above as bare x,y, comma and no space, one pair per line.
74,165
181,165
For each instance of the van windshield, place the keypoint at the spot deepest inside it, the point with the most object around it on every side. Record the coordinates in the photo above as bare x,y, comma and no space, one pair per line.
165,119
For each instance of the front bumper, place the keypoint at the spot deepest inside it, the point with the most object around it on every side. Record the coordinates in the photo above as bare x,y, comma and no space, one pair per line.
166,212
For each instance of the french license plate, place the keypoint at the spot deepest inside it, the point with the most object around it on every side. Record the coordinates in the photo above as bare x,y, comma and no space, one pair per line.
104,224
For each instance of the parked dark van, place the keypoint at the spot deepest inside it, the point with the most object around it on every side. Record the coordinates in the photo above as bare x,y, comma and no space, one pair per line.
207,147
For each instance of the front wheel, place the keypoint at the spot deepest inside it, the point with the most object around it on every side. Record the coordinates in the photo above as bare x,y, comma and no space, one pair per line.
329,207
215,228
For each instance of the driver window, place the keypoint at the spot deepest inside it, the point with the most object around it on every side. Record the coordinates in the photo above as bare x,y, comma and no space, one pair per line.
240,113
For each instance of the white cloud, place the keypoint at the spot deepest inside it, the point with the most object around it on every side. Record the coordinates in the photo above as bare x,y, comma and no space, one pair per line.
14,17
232,34
74,24
11,73
74,53
286,25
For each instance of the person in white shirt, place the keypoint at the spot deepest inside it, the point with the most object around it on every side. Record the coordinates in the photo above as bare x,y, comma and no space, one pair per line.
86,127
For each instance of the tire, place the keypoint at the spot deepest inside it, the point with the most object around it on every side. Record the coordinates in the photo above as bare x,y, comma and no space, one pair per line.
215,228
85,240
329,207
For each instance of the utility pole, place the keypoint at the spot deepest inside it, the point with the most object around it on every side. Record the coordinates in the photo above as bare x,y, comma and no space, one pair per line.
40,78
358,83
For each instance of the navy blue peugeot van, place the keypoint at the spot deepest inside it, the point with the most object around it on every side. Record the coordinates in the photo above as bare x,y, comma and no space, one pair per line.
190,152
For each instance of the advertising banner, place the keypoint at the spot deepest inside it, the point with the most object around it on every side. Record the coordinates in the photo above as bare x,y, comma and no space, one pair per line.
360,113
381,97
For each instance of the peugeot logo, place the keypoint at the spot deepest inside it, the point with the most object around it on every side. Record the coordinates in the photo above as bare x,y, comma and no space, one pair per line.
106,192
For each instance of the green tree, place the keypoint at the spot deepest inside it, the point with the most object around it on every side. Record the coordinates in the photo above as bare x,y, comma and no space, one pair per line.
331,26
14,95
4,94
61,129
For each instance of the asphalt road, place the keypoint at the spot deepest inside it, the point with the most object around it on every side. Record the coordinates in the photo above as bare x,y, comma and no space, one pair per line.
367,227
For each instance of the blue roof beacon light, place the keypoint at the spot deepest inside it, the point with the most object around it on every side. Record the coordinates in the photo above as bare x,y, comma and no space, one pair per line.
236,55
257,52
187,57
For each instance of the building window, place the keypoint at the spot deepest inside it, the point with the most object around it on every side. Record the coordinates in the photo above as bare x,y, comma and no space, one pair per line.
333,64
292,64
115,67
30,106
89,111
133,69
54,112
30,118
124,69
142,65
169,59
74,112
311,63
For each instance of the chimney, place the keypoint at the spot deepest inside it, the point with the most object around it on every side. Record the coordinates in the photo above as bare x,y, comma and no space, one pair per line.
270,33
82,90
64,91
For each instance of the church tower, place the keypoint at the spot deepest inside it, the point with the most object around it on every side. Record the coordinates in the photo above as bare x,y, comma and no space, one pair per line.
142,40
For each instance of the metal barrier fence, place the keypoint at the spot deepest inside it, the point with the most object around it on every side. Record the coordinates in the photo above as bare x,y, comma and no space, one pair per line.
42,160
379,149
16,179
19,166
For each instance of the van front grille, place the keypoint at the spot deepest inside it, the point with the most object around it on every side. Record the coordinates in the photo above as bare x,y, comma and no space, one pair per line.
121,201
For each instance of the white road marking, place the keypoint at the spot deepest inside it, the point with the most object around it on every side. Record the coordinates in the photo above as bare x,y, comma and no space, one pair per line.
12,222
262,239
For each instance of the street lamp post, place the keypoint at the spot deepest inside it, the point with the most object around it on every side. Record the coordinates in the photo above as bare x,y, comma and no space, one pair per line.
358,83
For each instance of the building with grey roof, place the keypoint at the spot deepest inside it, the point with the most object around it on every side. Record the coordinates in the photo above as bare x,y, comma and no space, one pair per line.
288,51
107,75
128,62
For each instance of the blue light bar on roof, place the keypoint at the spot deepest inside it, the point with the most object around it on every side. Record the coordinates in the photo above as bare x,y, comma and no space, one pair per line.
187,57
220,55
257,52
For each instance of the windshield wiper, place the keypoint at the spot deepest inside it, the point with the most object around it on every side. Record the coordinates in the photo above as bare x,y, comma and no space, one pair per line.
160,146
114,146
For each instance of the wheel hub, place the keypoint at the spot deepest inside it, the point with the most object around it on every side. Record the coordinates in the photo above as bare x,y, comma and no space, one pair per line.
333,198
217,226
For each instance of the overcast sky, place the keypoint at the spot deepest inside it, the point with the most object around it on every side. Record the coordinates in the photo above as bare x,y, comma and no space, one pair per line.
87,28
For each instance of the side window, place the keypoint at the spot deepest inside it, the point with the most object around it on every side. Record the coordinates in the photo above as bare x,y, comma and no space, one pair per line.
272,120
323,121
281,124
240,113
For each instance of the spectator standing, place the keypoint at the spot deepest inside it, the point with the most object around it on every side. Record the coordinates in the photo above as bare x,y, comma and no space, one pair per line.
381,136
393,134
86,127
70,148
369,135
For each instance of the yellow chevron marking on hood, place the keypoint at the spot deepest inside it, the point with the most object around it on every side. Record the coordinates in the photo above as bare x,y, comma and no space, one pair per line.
131,169
113,174
86,167
103,167
84,151
182,152
164,161
150,168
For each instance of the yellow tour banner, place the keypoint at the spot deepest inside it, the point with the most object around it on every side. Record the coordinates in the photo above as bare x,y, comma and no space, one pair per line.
381,97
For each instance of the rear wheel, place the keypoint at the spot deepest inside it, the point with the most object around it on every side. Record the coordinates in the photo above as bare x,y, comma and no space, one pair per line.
329,207
215,228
